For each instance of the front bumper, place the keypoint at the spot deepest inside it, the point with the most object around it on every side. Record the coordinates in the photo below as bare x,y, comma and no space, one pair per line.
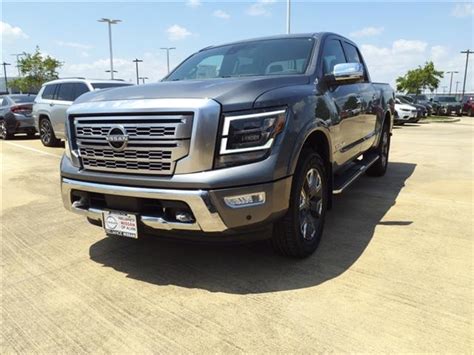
211,214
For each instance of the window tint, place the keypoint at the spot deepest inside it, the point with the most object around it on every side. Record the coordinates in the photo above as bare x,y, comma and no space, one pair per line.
352,54
48,92
80,88
98,86
22,98
66,92
264,57
332,55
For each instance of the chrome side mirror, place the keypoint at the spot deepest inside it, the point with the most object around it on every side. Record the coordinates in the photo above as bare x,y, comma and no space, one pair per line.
348,72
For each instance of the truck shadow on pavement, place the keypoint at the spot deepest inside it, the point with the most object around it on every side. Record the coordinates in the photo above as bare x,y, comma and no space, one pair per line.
254,268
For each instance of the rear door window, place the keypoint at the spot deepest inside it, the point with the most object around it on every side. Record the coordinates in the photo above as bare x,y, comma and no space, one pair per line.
79,89
48,92
66,92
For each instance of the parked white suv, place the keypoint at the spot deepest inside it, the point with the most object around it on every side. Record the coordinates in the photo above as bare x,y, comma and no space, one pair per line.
55,97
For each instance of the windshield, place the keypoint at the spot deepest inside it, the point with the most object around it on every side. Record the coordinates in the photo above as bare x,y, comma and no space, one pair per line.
97,86
267,57
447,99
403,100
20,99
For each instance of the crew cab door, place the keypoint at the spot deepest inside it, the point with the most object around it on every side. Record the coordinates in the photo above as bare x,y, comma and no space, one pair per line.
369,97
65,95
347,129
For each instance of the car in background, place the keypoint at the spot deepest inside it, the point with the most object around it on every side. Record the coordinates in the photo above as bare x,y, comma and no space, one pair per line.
15,115
421,109
53,100
421,99
446,105
405,113
468,105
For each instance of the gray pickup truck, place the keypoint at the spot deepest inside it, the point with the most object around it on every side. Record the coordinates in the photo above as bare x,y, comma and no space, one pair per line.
241,141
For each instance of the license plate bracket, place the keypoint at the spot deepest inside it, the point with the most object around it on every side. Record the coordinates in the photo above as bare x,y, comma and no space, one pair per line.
120,223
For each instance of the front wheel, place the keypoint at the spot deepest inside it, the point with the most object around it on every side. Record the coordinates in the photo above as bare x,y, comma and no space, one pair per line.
380,166
47,134
298,234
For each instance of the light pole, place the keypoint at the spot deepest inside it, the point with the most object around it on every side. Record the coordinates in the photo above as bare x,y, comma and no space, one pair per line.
444,89
168,49
136,61
110,22
18,55
467,52
451,80
288,16
112,73
5,74
143,79
457,83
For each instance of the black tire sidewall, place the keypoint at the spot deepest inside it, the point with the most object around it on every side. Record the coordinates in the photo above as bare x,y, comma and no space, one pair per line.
312,160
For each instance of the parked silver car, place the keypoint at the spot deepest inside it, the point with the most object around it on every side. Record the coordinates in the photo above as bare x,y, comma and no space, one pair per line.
53,100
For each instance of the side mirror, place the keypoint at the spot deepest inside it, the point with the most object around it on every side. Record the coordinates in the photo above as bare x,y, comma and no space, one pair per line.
347,73
431,100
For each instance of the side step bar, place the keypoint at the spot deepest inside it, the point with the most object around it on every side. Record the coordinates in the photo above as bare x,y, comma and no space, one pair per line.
341,182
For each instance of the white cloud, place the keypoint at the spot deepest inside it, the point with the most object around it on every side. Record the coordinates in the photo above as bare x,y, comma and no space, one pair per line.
153,67
367,32
463,10
73,45
403,45
260,8
177,32
385,64
193,3
10,33
221,14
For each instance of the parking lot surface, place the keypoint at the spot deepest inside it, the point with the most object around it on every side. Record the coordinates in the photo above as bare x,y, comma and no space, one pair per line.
393,272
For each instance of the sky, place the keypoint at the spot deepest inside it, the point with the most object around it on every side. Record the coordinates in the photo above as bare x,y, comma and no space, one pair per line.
393,36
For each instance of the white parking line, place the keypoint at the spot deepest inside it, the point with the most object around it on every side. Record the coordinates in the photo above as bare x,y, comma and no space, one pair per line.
33,149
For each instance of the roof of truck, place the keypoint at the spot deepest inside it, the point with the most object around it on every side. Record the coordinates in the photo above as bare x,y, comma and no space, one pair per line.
293,35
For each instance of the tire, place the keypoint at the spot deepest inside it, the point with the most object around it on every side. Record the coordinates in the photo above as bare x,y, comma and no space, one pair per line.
299,232
47,134
470,112
4,134
438,112
383,149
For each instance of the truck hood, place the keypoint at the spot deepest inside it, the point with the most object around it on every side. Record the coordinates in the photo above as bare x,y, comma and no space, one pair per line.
231,93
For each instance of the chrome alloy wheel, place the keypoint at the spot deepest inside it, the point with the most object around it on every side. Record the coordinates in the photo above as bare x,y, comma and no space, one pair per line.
3,129
45,131
311,204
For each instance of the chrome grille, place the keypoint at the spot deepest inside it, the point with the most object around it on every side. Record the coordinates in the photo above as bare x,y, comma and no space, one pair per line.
155,142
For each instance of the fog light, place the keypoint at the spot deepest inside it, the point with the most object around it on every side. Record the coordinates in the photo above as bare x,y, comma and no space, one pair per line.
254,199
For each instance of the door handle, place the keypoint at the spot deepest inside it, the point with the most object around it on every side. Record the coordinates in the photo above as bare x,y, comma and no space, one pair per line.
51,104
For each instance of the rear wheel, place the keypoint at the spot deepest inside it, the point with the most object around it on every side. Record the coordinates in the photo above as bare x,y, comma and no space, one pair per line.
380,166
470,112
298,234
47,134
4,131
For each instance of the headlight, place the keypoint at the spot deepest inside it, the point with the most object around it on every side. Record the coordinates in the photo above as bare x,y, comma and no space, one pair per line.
68,149
405,110
249,137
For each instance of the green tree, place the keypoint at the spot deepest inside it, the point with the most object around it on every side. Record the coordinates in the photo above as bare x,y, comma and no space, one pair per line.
35,69
421,78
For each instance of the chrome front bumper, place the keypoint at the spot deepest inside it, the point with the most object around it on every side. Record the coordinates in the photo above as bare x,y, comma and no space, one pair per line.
206,217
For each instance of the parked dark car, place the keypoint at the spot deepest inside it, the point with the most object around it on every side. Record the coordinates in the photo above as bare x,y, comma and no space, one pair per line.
421,100
421,110
15,115
446,105
468,105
